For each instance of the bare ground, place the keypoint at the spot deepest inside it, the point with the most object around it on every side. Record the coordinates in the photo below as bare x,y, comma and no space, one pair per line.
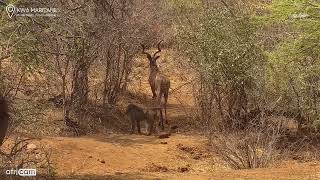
122,156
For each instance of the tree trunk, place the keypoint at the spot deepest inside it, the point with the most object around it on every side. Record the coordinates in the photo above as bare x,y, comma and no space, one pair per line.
4,119
80,86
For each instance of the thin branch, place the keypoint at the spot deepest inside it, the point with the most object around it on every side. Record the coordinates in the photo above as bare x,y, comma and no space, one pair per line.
228,8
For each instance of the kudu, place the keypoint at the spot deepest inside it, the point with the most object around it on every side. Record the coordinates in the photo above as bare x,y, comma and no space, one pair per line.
159,83
4,119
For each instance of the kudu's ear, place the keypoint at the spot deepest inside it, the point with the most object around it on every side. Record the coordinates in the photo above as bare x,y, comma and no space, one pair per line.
157,57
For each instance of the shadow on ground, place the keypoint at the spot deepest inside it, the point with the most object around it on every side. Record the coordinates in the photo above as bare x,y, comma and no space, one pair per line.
126,139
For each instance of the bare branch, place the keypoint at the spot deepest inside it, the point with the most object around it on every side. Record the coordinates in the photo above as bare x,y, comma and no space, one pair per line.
228,8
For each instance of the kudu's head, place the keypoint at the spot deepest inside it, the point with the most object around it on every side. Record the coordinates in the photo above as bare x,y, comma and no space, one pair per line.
152,59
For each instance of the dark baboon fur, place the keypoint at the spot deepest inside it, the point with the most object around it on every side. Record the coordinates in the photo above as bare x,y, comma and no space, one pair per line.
137,114
4,119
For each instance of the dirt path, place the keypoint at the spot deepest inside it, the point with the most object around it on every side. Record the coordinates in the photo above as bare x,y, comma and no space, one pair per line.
143,157
126,154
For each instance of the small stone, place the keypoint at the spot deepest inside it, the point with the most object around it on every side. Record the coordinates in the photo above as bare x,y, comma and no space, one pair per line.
102,161
183,169
163,142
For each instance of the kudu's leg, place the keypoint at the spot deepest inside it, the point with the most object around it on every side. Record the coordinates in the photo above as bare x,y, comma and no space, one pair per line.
153,90
160,110
161,120
165,106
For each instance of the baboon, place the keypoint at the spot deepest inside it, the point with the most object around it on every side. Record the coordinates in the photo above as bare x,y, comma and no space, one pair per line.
137,114
4,119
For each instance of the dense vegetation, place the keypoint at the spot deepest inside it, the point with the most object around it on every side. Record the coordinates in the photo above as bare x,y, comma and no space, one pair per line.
253,61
